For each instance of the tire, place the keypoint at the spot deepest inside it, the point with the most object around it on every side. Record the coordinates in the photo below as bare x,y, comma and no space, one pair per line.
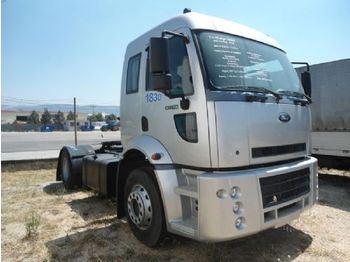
66,170
143,207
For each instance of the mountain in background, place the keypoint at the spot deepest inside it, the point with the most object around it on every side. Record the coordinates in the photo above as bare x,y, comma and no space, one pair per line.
108,109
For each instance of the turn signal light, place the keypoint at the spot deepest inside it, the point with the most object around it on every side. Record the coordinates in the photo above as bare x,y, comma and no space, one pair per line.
156,156
221,193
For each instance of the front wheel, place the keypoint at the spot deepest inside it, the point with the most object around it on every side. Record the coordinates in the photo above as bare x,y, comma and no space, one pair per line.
143,207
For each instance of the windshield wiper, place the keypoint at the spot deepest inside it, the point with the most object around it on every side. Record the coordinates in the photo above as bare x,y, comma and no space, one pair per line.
258,89
296,94
264,90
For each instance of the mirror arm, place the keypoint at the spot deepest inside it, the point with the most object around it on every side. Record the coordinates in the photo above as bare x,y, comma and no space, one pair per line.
186,39
303,63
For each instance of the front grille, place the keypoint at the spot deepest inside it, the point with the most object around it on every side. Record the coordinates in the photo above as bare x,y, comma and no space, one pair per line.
277,150
284,187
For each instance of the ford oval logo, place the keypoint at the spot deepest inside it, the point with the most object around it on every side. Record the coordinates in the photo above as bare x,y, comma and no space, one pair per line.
284,117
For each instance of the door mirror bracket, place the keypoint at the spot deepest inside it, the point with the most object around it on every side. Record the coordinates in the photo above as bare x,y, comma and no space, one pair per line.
184,103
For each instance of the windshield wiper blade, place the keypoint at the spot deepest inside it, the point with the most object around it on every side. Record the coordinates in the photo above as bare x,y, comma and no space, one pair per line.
296,94
255,89
263,90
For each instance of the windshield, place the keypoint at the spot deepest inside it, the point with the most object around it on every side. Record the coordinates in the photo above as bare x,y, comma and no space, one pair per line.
236,63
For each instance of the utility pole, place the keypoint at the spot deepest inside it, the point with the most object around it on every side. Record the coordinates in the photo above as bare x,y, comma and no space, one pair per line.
75,122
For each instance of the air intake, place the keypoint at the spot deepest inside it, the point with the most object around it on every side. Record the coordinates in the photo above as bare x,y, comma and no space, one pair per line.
277,150
284,187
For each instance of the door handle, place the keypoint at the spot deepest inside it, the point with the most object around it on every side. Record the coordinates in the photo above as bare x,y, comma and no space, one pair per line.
144,124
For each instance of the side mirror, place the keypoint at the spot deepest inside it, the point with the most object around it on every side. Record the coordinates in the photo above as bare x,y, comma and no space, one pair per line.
159,63
161,82
305,78
158,50
306,82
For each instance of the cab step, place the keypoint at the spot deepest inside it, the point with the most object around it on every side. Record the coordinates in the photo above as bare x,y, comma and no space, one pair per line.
187,190
187,227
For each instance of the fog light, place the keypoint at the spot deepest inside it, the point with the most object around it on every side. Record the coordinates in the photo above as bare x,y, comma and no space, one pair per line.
234,192
221,193
239,223
237,207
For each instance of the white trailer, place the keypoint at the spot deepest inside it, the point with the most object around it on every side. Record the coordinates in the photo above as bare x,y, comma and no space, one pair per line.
215,135
330,108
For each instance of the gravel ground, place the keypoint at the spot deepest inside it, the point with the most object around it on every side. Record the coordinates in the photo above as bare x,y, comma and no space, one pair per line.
79,226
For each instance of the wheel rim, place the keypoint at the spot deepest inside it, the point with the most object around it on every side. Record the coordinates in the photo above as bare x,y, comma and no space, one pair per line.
65,168
139,207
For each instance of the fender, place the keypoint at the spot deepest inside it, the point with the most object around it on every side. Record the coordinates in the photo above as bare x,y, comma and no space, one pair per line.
166,179
148,146
76,154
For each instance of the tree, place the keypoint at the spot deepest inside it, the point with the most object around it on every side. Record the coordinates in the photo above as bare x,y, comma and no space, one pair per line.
110,118
46,117
70,116
58,118
95,117
99,117
92,118
34,118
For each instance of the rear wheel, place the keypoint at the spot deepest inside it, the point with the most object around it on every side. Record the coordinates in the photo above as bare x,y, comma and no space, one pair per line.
143,207
69,179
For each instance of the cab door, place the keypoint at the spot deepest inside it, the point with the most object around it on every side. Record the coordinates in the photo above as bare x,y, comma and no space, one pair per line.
178,118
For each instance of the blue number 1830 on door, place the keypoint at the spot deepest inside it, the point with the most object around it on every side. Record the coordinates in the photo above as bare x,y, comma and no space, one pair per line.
153,97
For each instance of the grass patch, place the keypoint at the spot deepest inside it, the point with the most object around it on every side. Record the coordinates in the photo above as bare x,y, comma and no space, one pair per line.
84,227
32,224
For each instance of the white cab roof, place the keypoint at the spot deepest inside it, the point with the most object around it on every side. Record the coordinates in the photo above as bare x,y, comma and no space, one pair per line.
194,20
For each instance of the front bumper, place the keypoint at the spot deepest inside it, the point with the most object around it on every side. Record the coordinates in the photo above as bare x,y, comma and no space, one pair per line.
216,218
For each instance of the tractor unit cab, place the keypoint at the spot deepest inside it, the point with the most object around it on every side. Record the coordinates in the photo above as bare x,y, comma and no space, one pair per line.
224,93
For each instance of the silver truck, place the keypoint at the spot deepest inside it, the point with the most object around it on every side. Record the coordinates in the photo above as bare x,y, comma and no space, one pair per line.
215,135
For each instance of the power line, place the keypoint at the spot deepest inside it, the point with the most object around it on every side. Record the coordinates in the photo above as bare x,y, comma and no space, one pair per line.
81,101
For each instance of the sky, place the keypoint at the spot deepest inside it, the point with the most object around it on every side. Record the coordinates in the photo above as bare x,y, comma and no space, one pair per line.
54,50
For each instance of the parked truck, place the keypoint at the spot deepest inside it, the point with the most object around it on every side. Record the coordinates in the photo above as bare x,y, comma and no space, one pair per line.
331,109
215,135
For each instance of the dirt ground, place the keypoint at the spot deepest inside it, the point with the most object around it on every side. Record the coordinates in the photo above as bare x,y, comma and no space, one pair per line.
80,226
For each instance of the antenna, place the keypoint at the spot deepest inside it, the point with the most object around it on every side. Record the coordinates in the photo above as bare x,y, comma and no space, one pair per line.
187,10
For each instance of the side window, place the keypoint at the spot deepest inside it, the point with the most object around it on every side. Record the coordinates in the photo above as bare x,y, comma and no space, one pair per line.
181,77
132,77
186,126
